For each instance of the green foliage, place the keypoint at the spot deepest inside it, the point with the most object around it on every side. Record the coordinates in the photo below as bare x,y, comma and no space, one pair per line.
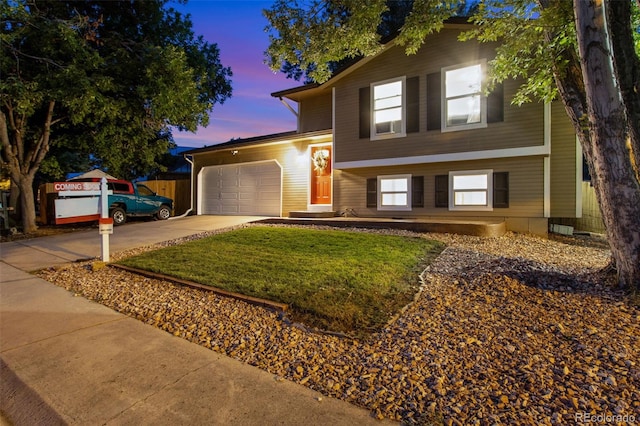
533,40
343,281
426,17
61,162
526,51
122,75
390,23
314,34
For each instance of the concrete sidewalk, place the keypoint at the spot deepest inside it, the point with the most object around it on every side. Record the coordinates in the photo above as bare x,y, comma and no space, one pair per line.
67,360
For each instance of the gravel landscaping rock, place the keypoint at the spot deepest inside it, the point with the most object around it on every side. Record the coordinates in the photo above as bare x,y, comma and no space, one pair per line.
508,330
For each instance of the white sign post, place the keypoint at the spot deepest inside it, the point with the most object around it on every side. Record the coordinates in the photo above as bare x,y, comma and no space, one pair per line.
105,223
82,202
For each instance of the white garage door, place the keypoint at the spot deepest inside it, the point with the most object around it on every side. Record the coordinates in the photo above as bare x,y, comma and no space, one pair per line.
241,189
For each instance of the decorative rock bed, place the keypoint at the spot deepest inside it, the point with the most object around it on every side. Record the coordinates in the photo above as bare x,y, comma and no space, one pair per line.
508,330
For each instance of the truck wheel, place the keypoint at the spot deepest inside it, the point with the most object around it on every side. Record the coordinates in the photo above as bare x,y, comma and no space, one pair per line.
164,213
119,216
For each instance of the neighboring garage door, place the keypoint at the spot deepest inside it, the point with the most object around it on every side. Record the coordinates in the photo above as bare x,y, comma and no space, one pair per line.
241,189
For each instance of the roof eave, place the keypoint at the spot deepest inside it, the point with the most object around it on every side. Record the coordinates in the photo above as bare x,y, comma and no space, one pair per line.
276,138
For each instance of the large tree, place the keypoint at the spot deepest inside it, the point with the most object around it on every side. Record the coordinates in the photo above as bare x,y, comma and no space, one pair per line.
580,51
107,80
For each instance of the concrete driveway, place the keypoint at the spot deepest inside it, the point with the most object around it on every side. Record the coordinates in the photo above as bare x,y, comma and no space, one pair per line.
38,253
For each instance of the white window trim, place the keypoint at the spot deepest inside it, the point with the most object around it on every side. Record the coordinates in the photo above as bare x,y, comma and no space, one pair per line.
488,207
403,131
483,98
407,207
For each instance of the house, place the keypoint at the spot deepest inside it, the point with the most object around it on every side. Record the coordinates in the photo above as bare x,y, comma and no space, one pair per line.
397,136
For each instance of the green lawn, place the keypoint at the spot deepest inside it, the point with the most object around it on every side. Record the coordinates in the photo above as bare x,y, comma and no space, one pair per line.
334,280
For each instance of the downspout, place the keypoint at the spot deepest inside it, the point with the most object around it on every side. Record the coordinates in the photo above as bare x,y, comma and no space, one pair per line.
289,107
191,185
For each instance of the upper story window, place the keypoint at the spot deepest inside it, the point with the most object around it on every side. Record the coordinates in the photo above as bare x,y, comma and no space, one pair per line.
388,109
464,105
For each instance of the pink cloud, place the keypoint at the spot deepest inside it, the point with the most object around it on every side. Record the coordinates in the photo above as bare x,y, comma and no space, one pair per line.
237,27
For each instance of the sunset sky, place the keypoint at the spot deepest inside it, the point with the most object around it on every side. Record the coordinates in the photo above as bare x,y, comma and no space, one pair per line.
237,27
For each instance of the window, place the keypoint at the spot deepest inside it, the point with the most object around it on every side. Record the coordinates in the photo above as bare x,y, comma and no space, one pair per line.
118,187
500,190
388,109
464,105
471,190
396,192
144,190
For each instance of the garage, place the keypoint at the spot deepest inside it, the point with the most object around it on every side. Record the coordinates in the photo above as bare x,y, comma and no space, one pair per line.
241,189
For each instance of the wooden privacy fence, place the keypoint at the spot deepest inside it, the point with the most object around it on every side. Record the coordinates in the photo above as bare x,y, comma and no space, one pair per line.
591,219
178,190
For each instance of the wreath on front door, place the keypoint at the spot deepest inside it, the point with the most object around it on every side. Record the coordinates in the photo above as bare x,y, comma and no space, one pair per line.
320,160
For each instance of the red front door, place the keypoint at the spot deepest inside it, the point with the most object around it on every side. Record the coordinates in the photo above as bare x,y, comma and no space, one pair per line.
321,175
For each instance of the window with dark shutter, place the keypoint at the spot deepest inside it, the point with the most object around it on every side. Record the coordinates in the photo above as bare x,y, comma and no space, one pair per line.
413,105
434,105
417,191
442,191
365,112
501,190
495,104
372,193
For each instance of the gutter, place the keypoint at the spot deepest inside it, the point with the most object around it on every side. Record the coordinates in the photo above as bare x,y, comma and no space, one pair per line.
190,209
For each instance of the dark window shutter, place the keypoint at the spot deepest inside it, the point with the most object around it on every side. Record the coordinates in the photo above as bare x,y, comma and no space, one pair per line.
413,105
495,104
501,190
417,191
442,191
365,112
434,105
372,192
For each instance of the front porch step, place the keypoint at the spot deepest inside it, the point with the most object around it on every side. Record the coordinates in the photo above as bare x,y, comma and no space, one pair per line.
480,228
312,215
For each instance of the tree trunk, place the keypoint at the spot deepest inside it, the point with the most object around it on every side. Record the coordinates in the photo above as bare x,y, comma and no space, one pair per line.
24,159
27,204
615,183
627,68
14,201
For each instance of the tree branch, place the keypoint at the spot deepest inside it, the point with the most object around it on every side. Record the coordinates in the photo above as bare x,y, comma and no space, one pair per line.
9,153
41,147
18,52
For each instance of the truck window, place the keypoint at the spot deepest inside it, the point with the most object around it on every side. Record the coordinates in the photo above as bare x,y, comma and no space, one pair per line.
143,190
119,187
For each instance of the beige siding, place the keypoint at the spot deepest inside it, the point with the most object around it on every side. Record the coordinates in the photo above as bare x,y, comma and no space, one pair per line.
526,188
295,172
563,164
522,126
315,113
